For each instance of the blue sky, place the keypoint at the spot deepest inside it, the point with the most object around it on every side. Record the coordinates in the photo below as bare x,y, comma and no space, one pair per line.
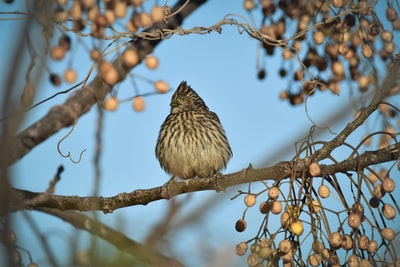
222,69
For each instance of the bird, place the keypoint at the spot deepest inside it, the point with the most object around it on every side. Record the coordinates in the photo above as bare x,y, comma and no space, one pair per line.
192,142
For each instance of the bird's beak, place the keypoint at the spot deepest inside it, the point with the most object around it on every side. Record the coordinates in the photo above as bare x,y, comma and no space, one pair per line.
174,104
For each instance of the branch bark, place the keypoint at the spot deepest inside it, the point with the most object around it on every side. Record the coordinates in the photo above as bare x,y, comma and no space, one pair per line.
22,199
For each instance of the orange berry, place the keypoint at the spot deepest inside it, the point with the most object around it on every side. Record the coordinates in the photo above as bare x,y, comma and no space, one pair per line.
138,103
111,103
151,62
318,37
95,54
131,57
70,75
145,19
157,14
57,52
161,86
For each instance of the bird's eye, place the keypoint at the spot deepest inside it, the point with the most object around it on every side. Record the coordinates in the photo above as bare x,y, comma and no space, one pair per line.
190,102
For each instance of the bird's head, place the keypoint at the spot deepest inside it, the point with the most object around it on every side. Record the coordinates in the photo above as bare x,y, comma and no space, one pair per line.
185,98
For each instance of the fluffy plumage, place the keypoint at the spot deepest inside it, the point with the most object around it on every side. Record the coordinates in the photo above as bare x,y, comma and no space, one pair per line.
191,142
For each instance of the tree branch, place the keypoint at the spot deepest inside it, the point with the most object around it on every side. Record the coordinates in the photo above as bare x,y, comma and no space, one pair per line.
142,253
388,84
22,199
66,114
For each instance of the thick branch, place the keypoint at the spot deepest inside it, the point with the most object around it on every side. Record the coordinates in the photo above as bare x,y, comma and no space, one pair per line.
142,253
285,169
80,103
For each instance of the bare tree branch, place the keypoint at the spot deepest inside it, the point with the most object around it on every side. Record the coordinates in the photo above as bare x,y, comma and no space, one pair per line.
22,199
66,114
142,253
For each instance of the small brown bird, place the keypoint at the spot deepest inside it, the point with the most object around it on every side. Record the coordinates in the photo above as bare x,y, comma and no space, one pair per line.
191,141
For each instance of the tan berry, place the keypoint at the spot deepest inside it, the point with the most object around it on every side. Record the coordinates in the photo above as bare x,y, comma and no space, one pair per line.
161,86
108,73
76,10
265,242
337,3
388,234
287,257
388,184
297,228
363,82
249,5
120,9
265,252
255,247
365,263
324,191
391,14
337,68
318,37
138,103
388,211
241,248
372,246
366,50
57,52
347,242
285,246
354,220
353,261
70,75
286,220
151,62
315,206
145,19
387,36
315,259
325,254
111,103
95,54
250,200
335,240
130,57
157,14
372,177
378,191
276,207
314,169
286,54
317,246
273,193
